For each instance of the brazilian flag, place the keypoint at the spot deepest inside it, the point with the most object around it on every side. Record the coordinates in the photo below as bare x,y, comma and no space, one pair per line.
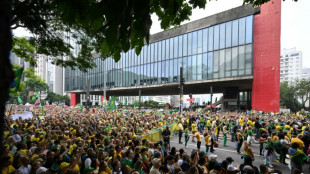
15,83
111,104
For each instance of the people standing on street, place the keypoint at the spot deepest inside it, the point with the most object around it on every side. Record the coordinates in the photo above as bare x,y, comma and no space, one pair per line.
239,140
197,136
186,136
297,157
212,141
207,141
180,129
225,135
166,135
194,129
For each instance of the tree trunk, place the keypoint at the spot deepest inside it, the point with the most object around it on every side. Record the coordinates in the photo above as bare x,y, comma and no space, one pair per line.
6,72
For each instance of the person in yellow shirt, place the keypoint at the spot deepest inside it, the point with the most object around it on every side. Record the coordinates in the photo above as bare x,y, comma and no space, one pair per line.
180,129
194,129
6,166
209,125
197,136
299,141
207,142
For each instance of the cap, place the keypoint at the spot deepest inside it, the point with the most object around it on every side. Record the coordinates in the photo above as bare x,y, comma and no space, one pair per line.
229,159
155,161
64,165
213,157
41,170
306,132
231,168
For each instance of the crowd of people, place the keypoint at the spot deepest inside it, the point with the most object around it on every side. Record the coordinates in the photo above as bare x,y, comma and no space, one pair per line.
68,141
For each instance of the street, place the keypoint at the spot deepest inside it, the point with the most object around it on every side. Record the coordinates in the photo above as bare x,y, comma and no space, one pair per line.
230,151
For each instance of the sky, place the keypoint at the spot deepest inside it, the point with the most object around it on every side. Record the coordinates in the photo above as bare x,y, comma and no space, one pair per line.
295,23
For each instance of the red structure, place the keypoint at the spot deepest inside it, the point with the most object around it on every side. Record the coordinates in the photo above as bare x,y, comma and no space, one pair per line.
74,99
266,70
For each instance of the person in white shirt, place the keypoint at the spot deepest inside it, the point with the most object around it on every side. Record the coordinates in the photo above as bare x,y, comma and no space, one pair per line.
25,168
156,164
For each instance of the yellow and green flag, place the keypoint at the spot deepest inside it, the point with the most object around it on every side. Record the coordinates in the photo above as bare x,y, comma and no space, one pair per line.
15,83
111,104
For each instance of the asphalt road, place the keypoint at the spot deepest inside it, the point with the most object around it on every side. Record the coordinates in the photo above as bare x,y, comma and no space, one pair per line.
230,151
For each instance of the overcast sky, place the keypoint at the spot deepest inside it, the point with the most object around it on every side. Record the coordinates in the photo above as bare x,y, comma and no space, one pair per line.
295,26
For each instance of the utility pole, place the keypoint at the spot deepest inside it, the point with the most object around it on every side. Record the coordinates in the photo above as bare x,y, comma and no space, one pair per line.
211,93
182,80
87,95
139,99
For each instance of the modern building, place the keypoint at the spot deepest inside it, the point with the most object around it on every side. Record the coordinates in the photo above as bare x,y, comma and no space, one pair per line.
290,65
305,73
236,52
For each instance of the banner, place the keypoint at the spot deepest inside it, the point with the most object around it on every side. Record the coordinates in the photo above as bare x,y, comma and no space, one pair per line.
25,115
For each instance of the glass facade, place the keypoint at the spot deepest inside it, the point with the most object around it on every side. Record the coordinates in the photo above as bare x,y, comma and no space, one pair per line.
220,51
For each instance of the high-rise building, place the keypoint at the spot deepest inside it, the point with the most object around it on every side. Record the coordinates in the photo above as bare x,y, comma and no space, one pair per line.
290,65
305,73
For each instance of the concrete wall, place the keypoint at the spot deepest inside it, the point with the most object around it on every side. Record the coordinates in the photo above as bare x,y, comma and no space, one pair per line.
225,16
266,70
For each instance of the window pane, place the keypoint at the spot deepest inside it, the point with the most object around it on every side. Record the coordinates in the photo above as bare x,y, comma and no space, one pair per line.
222,63
171,48
241,63
248,59
175,70
180,46
185,68
216,37
179,65
171,65
151,72
159,51
167,72
189,43
148,54
199,67
195,42
185,45
155,75
205,66
228,63
210,39
189,68
200,41
163,71
234,61
205,40
155,52
241,31
222,36
175,49
167,49
145,55
235,33
194,67
249,29
216,58
159,72
210,65
163,50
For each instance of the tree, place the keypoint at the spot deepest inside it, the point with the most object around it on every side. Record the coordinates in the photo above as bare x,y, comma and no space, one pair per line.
288,97
56,98
32,83
303,90
106,26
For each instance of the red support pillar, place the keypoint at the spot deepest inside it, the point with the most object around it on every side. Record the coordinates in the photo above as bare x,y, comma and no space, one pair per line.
266,66
74,99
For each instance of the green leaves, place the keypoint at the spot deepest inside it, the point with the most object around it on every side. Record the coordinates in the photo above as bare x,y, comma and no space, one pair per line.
24,49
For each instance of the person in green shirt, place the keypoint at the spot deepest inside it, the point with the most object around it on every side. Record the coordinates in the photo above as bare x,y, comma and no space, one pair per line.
186,137
225,135
250,138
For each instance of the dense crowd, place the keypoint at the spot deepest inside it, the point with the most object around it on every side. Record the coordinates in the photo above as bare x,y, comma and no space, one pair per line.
67,141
